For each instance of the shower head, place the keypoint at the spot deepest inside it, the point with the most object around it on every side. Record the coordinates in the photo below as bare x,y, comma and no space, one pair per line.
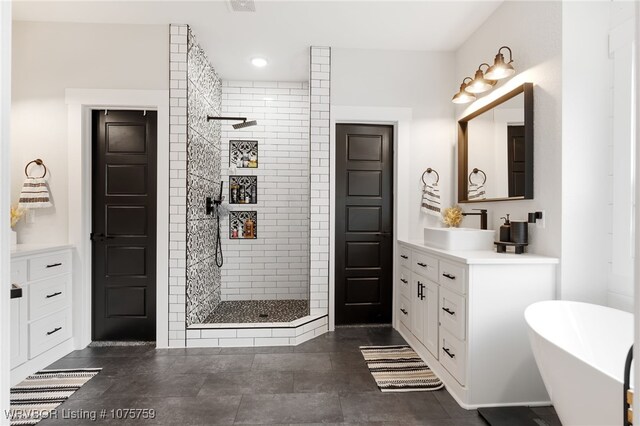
242,125
245,124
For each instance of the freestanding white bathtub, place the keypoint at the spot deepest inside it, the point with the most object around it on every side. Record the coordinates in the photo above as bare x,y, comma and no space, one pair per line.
580,350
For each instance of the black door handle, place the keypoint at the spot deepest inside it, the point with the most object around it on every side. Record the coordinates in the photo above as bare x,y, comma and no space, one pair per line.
451,277
53,265
424,265
403,280
422,296
403,311
403,256
419,288
49,333
57,293
448,353
449,311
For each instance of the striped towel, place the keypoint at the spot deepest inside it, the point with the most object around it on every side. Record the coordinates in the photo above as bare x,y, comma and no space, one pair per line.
35,194
431,199
476,191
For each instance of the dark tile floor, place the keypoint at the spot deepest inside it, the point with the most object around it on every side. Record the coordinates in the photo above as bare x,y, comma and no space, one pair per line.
324,380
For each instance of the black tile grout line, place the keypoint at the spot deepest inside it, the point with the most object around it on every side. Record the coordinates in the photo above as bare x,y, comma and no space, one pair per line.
252,327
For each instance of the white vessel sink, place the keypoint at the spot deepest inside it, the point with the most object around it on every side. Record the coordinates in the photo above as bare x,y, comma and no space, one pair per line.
459,238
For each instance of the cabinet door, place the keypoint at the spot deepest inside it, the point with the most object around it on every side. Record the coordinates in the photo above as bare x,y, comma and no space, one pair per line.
18,325
430,340
418,302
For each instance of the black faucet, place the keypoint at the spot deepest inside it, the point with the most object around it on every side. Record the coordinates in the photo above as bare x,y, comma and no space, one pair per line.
483,217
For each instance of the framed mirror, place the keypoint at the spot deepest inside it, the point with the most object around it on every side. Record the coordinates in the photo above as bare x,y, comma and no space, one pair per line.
495,149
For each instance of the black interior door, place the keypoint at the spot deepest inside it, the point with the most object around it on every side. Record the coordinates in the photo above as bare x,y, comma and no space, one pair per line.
124,225
364,224
516,160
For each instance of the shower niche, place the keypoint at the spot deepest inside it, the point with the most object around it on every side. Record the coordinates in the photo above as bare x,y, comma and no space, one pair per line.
243,154
243,189
243,225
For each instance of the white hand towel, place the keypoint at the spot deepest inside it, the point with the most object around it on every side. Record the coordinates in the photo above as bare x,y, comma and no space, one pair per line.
431,199
35,194
476,192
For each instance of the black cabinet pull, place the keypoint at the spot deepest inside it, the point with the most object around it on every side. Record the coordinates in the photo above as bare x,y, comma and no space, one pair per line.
403,256
422,292
448,353
53,265
451,277
424,265
49,333
57,293
419,288
448,311
403,280
404,312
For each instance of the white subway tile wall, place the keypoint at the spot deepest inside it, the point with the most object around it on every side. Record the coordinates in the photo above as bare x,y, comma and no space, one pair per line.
177,183
276,264
320,89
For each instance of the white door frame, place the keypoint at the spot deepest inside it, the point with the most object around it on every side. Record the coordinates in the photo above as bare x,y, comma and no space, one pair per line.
80,103
400,119
5,202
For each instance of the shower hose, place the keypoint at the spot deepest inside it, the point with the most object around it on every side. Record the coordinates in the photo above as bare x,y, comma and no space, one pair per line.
218,243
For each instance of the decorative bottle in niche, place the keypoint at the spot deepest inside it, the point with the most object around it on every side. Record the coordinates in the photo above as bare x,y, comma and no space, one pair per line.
234,232
234,193
249,228
253,161
241,194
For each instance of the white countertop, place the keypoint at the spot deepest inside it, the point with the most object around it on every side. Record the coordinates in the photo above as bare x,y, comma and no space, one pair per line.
482,257
30,249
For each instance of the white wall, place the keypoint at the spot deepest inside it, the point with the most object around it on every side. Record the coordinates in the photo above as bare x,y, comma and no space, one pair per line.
276,264
47,59
424,82
533,30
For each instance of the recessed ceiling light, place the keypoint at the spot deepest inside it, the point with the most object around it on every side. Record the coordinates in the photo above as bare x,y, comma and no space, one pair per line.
259,62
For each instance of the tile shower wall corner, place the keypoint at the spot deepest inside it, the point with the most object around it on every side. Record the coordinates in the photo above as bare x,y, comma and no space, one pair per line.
204,97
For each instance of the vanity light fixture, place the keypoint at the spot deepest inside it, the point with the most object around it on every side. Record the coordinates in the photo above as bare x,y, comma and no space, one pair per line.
501,69
480,84
259,62
463,97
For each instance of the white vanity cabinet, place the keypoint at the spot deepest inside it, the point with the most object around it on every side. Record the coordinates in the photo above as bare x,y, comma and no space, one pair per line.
466,319
41,327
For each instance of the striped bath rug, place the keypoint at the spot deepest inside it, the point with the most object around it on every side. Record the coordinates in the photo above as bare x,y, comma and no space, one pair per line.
399,369
37,396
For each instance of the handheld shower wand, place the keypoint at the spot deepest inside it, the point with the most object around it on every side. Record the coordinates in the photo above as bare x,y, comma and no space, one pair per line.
214,206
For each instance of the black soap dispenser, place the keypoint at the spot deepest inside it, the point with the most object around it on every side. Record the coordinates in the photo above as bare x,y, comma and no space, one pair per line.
505,230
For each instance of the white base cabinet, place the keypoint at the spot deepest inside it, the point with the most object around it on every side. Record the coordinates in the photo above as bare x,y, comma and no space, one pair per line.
41,327
463,313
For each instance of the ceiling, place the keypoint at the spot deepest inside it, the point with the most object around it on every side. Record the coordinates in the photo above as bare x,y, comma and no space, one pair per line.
282,31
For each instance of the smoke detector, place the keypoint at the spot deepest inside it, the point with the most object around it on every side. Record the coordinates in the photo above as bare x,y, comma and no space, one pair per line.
243,5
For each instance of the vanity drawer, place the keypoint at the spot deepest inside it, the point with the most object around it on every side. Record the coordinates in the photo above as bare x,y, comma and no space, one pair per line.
48,332
404,256
19,272
453,313
48,296
404,282
453,355
404,311
453,276
49,265
425,265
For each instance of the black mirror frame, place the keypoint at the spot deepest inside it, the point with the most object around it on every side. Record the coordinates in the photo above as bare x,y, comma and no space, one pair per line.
463,152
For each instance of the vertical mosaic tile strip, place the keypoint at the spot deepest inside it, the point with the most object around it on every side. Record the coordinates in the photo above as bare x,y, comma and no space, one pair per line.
320,89
204,98
243,190
243,154
243,225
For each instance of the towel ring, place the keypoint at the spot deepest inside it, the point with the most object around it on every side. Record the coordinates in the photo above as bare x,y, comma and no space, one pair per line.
38,162
476,171
430,170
